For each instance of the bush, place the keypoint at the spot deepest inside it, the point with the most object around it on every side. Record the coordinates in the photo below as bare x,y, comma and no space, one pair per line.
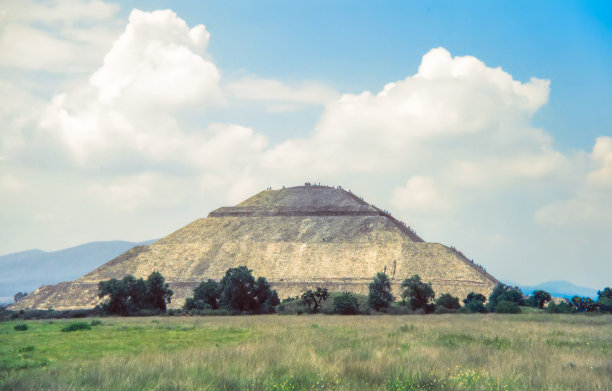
21,327
561,308
507,307
76,326
538,299
503,292
205,296
96,322
346,304
380,292
448,301
130,295
474,306
444,310
418,293
314,299
240,292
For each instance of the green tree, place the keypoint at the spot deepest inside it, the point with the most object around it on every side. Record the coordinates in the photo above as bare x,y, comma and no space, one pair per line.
130,295
237,287
605,293
206,295
561,308
380,292
118,301
448,301
604,301
474,302
158,292
475,296
346,304
241,292
583,304
539,298
474,306
265,299
313,299
417,293
503,292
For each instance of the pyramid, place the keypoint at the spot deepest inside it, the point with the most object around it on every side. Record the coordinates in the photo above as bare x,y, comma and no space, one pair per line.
298,238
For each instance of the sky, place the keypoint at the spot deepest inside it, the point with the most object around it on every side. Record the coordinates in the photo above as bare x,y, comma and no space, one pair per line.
483,125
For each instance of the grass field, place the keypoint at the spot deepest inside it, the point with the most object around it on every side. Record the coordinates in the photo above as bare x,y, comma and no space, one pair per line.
312,352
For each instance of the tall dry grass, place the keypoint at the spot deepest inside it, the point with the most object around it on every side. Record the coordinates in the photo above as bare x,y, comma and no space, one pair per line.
442,352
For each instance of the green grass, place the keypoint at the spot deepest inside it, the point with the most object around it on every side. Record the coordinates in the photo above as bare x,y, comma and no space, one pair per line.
313,352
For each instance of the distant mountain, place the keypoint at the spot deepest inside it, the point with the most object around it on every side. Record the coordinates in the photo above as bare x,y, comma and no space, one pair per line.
558,289
27,270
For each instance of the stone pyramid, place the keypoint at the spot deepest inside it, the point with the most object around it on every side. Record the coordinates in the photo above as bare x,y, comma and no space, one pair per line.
298,238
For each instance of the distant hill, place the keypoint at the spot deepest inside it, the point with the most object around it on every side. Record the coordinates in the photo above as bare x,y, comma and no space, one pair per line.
558,289
27,270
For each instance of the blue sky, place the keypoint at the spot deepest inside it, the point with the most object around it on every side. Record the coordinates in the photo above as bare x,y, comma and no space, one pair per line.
484,125
361,46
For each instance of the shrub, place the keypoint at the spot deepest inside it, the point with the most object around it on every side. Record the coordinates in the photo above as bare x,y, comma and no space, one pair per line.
444,310
539,298
21,327
380,292
346,304
475,296
583,304
418,293
448,301
76,326
561,308
474,306
313,300
130,295
96,322
507,307
503,292
205,296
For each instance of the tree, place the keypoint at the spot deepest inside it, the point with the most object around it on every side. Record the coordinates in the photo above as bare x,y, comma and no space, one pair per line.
503,292
346,304
417,293
448,301
19,295
237,286
118,301
206,295
380,292
475,296
241,292
265,299
583,304
158,292
561,308
539,298
474,302
604,301
474,306
310,298
605,293
130,295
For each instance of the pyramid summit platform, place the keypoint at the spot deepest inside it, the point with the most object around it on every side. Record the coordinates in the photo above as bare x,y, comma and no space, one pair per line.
298,238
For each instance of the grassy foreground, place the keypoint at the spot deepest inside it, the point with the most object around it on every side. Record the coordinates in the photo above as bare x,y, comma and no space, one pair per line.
312,352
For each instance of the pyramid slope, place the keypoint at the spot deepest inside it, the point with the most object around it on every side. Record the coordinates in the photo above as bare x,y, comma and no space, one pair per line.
336,240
